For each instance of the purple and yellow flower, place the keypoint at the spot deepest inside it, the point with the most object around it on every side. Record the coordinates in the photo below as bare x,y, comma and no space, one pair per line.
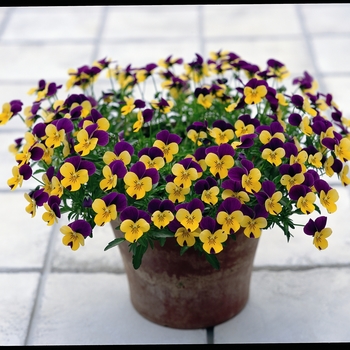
220,159
208,189
190,215
317,228
254,221
176,193
152,157
186,171
18,175
212,235
161,212
52,210
122,151
247,175
234,189
291,175
111,173
273,152
245,125
75,172
134,223
56,132
254,91
304,197
139,180
107,207
222,132
328,195
229,215
75,233
269,197
162,105
36,198
168,143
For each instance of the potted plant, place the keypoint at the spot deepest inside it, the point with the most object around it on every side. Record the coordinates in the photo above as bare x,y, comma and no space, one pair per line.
189,160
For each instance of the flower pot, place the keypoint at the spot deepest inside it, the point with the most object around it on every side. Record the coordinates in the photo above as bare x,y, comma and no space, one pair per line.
185,291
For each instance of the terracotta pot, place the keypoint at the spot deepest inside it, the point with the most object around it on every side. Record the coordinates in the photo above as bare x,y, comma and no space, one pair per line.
186,291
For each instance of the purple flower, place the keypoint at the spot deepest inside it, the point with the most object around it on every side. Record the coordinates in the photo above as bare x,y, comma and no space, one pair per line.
134,214
82,227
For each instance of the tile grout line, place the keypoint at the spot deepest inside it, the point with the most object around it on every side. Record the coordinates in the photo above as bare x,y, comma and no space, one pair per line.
41,287
6,20
201,31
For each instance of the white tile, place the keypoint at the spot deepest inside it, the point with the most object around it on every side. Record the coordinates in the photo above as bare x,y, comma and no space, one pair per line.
274,250
250,20
24,239
151,22
17,294
326,18
331,53
42,61
37,23
91,257
292,307
95,309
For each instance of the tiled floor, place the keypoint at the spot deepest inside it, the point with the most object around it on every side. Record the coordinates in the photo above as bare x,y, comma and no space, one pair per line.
51,295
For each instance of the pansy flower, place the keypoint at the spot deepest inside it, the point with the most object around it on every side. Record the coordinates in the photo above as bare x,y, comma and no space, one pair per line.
196,132
222,132
212,235
204,97
89,138
220,159
208,189
267,132
254,221
122,151
270,198
273,152
304,197
197,69
176,194
107,207
190,215
317,228
52,210
245,125
152,157
168,143
36,198
328,195
291,175
18,175
234,189
229,215
75,172
247,175
185,172
161,212
75,233
134,223
56,132
95,117
143,73
139,180
111,173
162,105
183,236
254,91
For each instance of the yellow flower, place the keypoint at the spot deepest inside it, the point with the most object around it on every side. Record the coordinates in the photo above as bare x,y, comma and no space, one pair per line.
253,226
104,213
320,241
189,220
176,193
134,230
183,235
254,95
72,178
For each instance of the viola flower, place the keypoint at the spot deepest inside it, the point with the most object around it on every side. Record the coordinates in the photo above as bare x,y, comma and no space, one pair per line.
305,198
300,158
52,210
185,172
268,132
95,117
168,143
107,207
254,91
197,69
134,223
122,151
56,132
222,132
139,180
277,69
245,125
129,105
212,236
220,159
185,237
35,198
254,221
208,189
196,132
345,180
161,212
291,175
273,152
269,197
152,157
169,62
234,189
75,233
19,174
89,138
57,187
247,175
143,73
204,97
176,193
229,215
5,114
76,172
162,105
111,173
328,195
318,230
191,215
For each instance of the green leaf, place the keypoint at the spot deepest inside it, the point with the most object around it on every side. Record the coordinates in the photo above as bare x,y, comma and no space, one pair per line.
162,234
114,243
213,260
137,257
